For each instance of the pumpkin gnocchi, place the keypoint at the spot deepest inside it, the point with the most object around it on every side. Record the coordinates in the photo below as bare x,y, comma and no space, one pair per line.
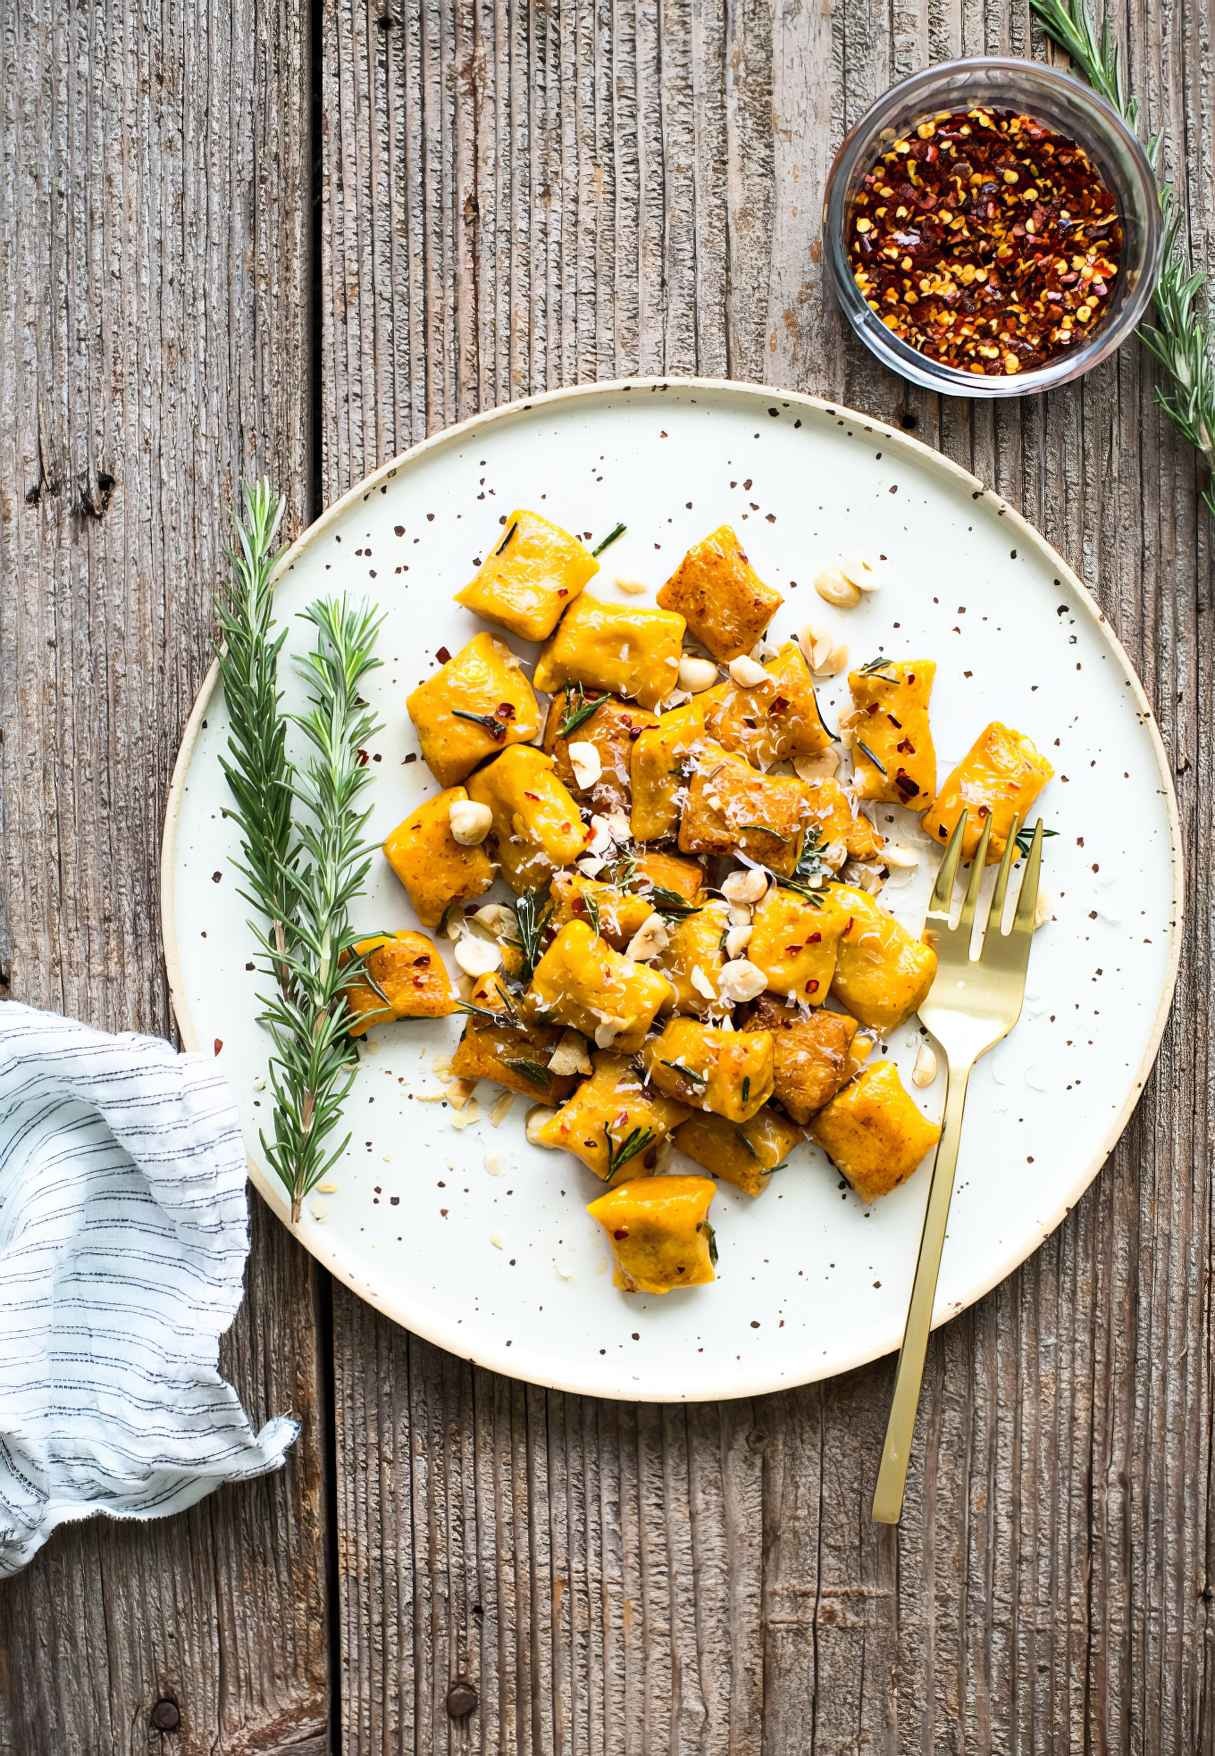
477,704
530,577
1000,777
716,590
659,1232
693,881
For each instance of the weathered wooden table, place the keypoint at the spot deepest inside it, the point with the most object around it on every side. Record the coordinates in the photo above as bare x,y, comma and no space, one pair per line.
298,235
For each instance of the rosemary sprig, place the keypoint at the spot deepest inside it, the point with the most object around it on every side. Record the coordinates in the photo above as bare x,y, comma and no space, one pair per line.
620,1152
313,1065
1179,339
617,531
879,667
710,1239
256,767
592,910
746,1088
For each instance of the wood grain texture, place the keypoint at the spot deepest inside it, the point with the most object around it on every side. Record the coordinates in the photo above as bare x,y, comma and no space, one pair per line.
514,196
519,196
154,285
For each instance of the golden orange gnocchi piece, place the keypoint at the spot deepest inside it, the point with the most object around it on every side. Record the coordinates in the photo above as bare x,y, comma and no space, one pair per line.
873,1133
726,604
476,705
405,978
659,1232
1000,777
605,647
437,870
530,577
742,1153
894,759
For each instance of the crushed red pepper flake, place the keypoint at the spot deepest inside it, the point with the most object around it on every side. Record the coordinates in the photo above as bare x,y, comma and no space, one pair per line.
985,240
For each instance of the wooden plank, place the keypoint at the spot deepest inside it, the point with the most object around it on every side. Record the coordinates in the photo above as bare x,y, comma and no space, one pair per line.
519,196
154,297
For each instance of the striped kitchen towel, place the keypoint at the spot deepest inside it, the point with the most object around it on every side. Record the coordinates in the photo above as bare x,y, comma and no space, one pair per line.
123,1238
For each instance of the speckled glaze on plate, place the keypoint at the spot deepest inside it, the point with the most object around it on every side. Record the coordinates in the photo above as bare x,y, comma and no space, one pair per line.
478,1241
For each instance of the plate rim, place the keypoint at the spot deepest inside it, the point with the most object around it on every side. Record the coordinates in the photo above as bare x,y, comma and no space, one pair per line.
314,1239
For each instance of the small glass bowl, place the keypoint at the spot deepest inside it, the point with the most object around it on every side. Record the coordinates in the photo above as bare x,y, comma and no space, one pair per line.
1063,103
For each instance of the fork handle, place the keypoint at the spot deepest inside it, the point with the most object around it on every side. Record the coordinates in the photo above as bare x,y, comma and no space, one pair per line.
900,1427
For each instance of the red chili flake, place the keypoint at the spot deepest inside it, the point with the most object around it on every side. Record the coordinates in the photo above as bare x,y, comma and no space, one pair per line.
219,1043
778,704
361,758
815,939
908,787
812,986
896,723
443,656
421,962
505,710
534,797
905,747
985,240
620,1234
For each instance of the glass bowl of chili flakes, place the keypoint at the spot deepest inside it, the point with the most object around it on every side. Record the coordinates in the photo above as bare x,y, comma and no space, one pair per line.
992,227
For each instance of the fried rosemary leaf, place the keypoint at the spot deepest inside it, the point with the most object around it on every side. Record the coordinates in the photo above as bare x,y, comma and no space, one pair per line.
578,709
621,1152
695,1079
1025,838
811,872
532,911
530,1070
876,760
592,910
610,538
487,721
670,903
761,829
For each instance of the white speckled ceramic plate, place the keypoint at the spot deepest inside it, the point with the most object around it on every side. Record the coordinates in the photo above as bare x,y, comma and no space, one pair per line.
478,1241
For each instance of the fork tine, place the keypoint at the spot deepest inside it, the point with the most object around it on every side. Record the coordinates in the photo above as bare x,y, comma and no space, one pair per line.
995,911
940,903
966,919
1027,901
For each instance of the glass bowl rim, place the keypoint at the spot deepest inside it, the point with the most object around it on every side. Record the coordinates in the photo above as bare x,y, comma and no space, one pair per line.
920,368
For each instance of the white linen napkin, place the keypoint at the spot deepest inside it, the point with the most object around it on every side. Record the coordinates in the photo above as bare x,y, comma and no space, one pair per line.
123,1238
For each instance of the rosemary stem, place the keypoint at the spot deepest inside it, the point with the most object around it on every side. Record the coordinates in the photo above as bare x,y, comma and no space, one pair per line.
1179,337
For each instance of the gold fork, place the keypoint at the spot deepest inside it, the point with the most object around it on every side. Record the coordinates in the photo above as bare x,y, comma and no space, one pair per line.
972,1005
